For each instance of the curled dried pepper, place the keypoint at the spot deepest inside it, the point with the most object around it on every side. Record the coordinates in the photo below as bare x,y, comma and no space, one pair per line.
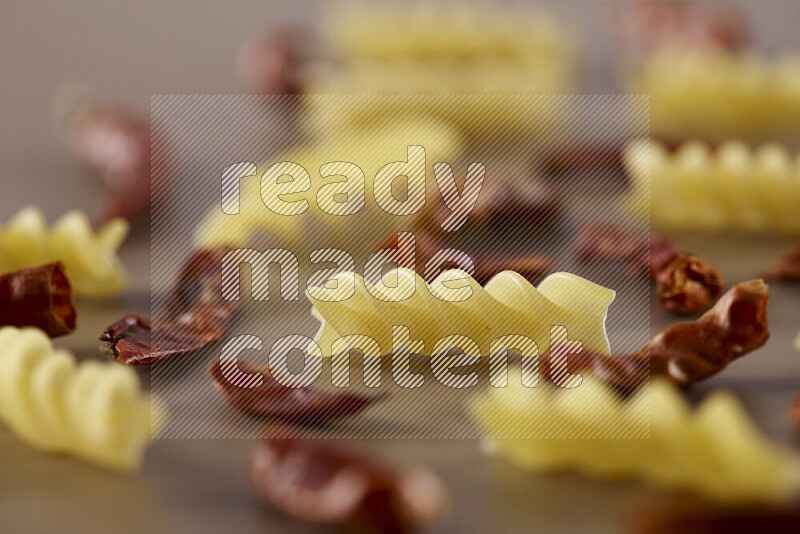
307,405
38,296
690,351
317,482
194,315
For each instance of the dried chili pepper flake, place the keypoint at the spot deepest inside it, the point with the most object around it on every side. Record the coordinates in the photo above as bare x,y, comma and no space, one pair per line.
690,351
609,242
194,315
270,63
320,483
794,410
787,268
696,519
685,283
307,405
40,297
116,144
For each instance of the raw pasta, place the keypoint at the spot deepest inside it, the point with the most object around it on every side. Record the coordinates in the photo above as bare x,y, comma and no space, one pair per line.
655,436
93,411
733,187
90,258
718,95
452,49
507,305
369,151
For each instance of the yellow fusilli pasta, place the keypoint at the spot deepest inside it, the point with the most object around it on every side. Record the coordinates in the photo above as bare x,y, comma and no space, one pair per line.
93,411
718,95
89,257
714,450
732,187
369,151
434,49
455,304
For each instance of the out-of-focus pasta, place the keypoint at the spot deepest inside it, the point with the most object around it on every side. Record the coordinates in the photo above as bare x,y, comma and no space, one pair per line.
92,411
733,187
369,150
90,258
714,94
714,450
455,304
428,48
797,342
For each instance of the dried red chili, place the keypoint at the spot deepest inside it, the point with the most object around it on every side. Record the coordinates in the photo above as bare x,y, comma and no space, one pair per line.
532,266
269,63
685,283
602,242
307,405
317,482
788,267
603,158
651,26
690,351
40,297
194,315
695,519
794,411
116,144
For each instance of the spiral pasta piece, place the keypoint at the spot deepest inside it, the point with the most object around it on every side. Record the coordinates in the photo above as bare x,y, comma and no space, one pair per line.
716,94
369,151
428,48
90,258
714,450
455,304
93,411
733,187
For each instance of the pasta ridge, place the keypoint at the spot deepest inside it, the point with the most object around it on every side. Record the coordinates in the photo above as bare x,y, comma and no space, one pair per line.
507,305
93,411
90,258
733,187
715,94
655,436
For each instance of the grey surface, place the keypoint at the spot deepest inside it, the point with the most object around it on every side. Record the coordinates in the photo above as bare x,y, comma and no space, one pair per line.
130,50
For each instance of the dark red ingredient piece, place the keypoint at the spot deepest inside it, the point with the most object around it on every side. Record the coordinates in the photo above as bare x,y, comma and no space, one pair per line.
602,158
794,410
788,267
533,266
40,297
649,26
509,203
685,283
688,284
707,519
317,482
116,144
690,351
600,242
193,316
269,63
302,405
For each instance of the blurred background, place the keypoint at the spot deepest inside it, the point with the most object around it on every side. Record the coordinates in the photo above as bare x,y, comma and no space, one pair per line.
126,52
